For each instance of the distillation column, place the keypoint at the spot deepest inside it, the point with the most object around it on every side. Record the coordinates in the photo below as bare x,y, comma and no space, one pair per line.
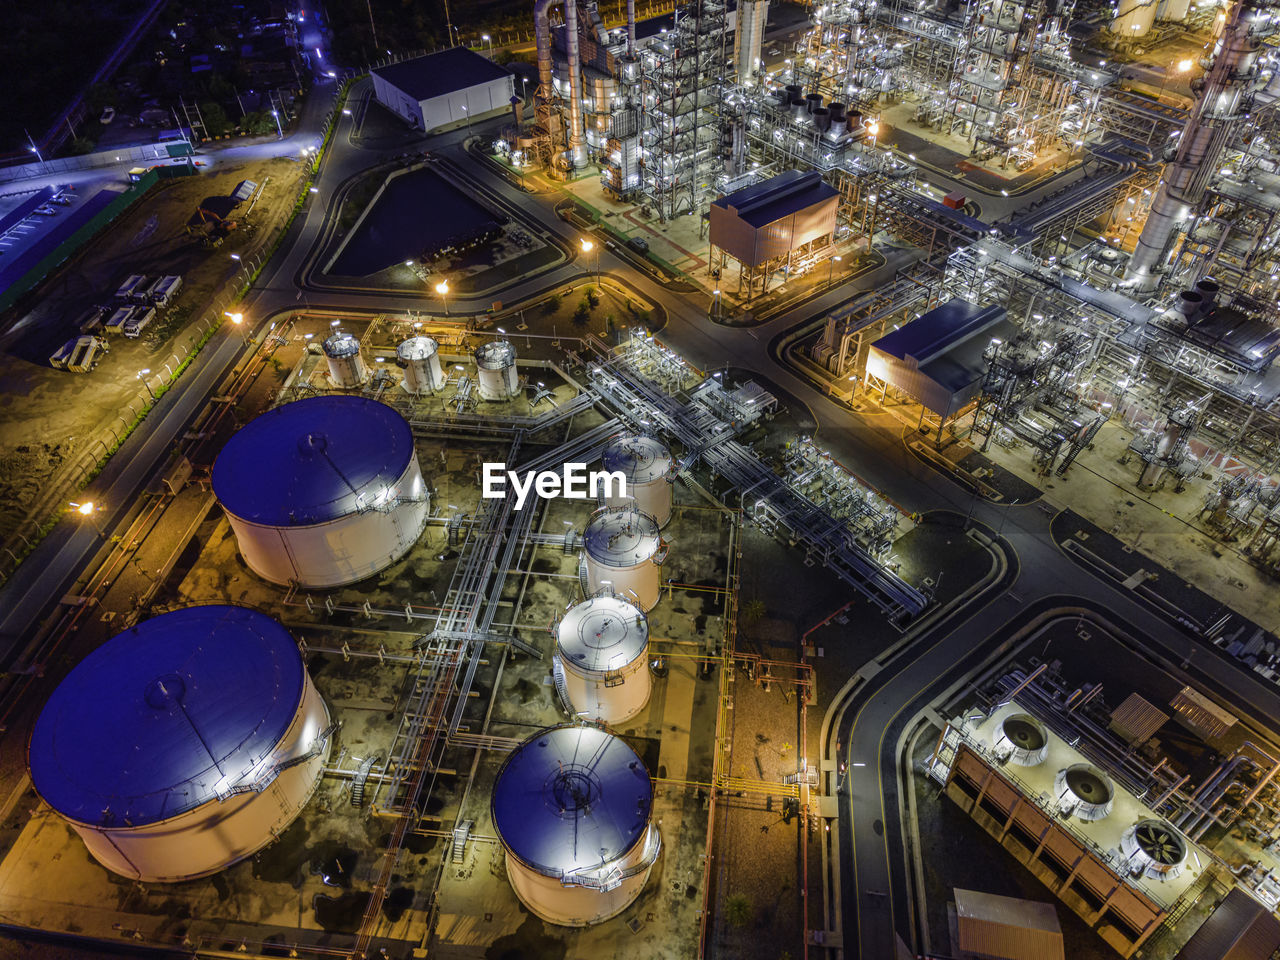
577,142
1213,120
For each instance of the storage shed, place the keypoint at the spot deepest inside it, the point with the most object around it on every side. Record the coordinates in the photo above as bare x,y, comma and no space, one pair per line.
1006,928
1240,928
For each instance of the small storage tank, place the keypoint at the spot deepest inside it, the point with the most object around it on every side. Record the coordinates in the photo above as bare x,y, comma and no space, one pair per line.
323,491
1154,848
1026,739
601,660
346,365
648,466
1085,790
572,808
183,744
496,365
420,358
623,554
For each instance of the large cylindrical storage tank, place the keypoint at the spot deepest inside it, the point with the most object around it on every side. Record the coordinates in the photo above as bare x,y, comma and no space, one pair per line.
623,554
1134,19
601,658
323,491
647,464
572,808
496,375
420,358
183,744
346,365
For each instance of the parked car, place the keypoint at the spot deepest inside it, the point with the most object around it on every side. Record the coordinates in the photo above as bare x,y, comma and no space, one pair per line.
638,244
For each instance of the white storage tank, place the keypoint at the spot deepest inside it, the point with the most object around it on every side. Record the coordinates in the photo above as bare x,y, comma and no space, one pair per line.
496,376
183,744
323,491
623,554
420,358
572,808
647,464
601,660
346,366
1134,19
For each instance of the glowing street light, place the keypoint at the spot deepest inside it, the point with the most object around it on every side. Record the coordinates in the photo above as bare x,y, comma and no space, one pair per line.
87,510
279,129
442,288
587,247
142,375
486,39
830,265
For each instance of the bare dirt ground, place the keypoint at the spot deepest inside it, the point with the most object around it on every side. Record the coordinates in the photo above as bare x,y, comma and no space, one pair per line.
49,418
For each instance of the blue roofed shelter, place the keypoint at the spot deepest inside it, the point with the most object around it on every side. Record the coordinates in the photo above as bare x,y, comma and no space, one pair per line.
938,359
444,89
784,223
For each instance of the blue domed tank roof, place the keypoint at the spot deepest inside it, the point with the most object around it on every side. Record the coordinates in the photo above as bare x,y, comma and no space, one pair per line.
312,461
165,715
570,798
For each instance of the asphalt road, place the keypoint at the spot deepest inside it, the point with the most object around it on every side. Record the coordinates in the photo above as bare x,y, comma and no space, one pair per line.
871,444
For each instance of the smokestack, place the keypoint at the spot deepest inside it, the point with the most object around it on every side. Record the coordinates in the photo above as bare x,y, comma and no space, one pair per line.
1204,137
631,28
545,94
577,142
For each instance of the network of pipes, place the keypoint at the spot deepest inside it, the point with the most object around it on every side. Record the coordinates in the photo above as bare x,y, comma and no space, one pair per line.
1140,280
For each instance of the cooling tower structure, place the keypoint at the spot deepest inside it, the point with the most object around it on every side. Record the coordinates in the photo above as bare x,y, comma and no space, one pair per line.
601,663
322,492
1084,790
183,744
496,377
623,554
1024,739
346,365
572,807
1154,849
649,468
419,357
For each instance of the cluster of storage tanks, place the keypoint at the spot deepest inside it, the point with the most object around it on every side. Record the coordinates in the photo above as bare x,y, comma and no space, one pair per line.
584,852
319,493
497,376
833,119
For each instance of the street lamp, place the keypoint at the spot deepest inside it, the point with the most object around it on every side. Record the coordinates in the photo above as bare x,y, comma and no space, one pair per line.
237,319
587,247
715,304
830,265
442,288
279,129
485,38
87,510
466,113
142,375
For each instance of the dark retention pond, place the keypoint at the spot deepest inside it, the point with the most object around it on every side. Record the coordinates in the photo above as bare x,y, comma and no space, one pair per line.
418,212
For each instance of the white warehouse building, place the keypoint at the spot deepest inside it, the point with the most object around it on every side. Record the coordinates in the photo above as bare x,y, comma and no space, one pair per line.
443,89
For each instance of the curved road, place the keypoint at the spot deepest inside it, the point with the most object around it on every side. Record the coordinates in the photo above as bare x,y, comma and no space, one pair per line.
870,443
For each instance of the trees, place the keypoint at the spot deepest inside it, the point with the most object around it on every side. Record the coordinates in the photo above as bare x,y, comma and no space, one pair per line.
738,910
215,119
